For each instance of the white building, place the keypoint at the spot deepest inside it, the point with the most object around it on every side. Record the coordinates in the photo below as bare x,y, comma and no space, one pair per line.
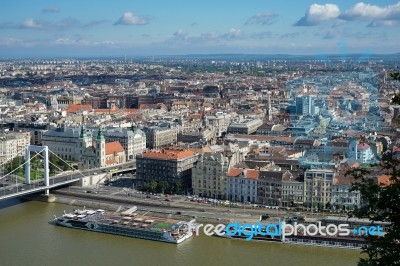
248,126
13,144
342,197
242,185
65,142
219,122
317,187
133,140
209,176
360,152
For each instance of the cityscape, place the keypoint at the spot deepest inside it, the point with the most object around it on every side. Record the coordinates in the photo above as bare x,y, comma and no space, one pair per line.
242,133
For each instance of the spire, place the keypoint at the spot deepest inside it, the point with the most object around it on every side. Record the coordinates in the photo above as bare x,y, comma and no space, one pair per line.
83,133
100,135
133,127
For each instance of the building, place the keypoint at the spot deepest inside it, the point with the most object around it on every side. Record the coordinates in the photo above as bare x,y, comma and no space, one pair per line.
65,142
92,153
269,186
36,129
209,176
318,187
157,137
242,185
342,196
220,122
305,105
115,153
132,140
248,126
292,192
273,130
360,152
171,165
13,144
201,136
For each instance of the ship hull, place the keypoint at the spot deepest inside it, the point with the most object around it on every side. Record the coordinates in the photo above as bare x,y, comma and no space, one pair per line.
116,230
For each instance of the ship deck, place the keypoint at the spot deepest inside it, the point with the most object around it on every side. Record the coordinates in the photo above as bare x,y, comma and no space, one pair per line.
133,220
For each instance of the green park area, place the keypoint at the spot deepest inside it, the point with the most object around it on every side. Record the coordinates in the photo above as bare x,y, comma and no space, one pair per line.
16,165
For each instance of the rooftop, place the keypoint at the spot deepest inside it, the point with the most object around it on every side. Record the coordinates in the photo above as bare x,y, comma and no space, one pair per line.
114,147
168,154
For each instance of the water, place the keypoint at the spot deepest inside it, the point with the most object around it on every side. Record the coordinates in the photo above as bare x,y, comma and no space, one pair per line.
27,238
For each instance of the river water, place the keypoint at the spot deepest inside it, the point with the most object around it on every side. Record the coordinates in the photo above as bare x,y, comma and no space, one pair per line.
27,238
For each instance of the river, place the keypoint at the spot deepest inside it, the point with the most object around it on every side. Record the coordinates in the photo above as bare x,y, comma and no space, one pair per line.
27,238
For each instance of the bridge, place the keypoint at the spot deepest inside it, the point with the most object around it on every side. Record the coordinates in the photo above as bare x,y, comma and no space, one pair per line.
11,189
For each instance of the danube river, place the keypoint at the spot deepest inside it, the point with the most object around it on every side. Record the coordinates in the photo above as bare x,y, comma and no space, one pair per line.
27,238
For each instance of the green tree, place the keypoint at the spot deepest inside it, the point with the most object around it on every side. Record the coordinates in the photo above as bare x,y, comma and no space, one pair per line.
163,186
152,186
328,205
178,187
382,203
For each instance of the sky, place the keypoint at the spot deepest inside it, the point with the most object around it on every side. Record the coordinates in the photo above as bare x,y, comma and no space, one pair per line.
85,28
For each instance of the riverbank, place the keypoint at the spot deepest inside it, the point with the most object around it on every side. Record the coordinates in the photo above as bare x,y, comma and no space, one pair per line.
119,205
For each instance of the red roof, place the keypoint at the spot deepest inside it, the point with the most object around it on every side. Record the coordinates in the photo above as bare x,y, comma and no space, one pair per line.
168,154
235,172
362,146
252,174
73,108
114,147
384,180
106,111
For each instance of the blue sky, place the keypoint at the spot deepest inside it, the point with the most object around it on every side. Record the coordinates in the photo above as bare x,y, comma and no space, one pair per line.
43,28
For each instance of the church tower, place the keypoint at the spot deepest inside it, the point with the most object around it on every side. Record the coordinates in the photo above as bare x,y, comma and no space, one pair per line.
101,148
84,142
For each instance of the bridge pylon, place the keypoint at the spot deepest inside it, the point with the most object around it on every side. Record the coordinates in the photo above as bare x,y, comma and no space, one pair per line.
38,149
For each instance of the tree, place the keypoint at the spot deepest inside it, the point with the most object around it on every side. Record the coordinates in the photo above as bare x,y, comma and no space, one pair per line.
162,186
152,185
328,205
178,187
382,203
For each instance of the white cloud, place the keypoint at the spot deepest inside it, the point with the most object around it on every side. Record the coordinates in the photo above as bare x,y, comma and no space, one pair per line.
377,15
318,14
362,11
265,18
129,18
233,33
180,33
31,24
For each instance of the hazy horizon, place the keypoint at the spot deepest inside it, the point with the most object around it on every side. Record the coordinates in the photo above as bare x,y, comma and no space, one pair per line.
58,28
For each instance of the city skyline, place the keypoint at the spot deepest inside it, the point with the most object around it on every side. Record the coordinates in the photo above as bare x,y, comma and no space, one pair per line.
132,28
